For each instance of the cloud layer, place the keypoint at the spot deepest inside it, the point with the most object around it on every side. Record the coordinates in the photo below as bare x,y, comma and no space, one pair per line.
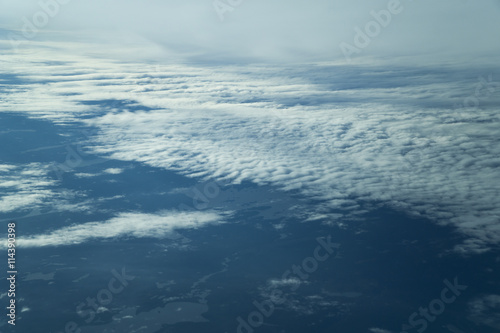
422,140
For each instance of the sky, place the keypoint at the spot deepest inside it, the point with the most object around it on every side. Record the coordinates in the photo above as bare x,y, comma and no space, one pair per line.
256,31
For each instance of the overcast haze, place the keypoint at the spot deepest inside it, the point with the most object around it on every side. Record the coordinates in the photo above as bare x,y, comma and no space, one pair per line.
278,30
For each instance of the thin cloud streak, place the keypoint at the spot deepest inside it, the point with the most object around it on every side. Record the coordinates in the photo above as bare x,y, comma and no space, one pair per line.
138,225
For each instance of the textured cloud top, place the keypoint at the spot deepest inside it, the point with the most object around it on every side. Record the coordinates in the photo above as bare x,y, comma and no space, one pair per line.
412,139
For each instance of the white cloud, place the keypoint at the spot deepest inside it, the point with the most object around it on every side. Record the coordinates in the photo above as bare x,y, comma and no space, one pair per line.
6,167
290,282
109,171
410,159
29,187
341,135
85,175
113,171
139,225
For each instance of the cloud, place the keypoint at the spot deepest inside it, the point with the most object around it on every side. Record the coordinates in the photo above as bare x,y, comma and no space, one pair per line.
379,330
139,225
85,175
29,187
307,304
290,282
113,171
484,311
387,144
109,171
386,135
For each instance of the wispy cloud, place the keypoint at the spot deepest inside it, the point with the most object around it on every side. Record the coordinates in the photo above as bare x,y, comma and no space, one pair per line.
29,187
379,330
290,282
138,225
485,311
